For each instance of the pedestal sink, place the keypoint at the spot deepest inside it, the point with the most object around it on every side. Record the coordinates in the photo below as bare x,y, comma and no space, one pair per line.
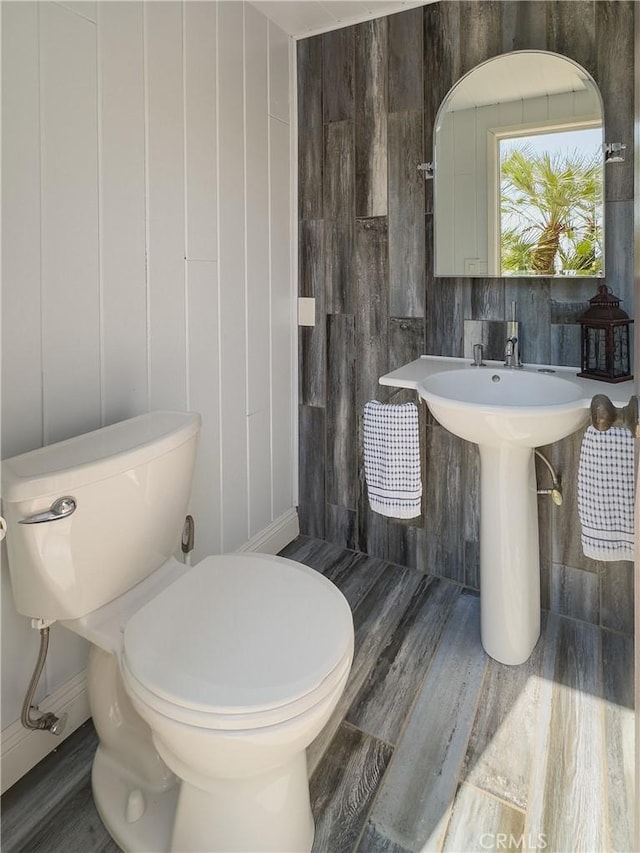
507,413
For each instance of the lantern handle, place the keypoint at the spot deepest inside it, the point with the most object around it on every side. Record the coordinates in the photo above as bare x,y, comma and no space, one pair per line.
604,414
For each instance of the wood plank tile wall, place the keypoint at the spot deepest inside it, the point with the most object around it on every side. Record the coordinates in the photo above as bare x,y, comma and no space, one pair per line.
368,96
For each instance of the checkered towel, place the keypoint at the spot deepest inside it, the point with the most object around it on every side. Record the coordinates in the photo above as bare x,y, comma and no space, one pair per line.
392,458
605,494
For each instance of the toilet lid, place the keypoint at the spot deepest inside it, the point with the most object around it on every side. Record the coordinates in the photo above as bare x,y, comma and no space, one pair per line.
239,633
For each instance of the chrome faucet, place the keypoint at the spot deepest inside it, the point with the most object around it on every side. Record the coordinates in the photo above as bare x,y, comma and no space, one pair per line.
512,348
512,352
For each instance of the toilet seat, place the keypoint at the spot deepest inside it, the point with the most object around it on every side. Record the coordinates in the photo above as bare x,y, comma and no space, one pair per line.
240,641
237,722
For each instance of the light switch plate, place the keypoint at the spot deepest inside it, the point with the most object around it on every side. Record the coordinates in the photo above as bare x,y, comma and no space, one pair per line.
306,311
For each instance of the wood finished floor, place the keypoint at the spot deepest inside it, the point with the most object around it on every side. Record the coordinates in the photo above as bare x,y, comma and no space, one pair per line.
434,746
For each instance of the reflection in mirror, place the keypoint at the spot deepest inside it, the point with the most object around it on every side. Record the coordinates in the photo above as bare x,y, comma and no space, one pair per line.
550,216
519,184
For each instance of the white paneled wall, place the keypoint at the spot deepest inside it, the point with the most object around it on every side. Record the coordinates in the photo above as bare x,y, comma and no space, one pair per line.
123,275
147,253
70,318
232,270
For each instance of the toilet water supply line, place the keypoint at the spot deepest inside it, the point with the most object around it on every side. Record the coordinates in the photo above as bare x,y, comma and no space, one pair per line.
47,721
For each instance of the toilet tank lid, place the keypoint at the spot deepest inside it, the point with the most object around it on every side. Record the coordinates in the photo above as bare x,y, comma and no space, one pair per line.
93,456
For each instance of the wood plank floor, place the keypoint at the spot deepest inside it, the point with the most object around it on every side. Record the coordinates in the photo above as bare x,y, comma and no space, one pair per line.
434,745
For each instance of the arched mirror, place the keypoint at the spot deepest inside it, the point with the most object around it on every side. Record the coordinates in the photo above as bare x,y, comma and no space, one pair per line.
519,180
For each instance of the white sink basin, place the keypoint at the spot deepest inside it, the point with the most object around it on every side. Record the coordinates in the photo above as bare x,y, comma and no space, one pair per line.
493,407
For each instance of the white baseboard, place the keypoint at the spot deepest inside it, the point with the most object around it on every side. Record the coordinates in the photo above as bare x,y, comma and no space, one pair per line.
23,748
278,534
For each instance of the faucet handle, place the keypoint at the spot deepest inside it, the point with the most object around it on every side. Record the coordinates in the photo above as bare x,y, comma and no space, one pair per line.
478,350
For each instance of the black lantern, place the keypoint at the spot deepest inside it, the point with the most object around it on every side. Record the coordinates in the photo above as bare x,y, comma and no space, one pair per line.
606,353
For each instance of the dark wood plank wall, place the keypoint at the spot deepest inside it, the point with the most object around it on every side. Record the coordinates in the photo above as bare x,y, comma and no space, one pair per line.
368,96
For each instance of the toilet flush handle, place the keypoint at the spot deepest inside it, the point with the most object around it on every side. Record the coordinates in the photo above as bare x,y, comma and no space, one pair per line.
62,508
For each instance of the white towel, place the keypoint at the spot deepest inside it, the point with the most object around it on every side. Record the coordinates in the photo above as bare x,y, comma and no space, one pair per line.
392,458
605,494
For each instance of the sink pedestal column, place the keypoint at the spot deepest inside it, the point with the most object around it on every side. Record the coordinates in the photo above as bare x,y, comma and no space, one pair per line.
509,553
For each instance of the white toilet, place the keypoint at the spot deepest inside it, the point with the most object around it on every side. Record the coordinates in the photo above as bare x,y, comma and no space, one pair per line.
206,683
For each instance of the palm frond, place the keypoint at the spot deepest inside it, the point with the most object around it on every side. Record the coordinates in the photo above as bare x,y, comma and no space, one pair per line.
550,215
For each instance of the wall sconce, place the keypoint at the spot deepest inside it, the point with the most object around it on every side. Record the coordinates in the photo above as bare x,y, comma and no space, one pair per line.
606,352
614,152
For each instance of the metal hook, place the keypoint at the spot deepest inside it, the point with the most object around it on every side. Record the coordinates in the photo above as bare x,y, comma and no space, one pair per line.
426,170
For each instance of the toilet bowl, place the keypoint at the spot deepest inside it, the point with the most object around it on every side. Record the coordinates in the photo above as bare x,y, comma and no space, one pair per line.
206,683
234,665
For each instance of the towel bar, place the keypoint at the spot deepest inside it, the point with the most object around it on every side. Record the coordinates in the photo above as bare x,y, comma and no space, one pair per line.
604,414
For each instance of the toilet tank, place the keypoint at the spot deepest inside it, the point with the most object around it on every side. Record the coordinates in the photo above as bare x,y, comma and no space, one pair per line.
131,483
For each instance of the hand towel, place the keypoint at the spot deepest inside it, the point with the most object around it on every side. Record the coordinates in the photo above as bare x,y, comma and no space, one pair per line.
392,458
606,493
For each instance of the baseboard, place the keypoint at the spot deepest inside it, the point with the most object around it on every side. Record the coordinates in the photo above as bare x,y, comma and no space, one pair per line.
23,748
276,535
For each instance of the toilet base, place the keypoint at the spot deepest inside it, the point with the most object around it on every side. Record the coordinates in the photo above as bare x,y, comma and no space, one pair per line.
270,812
114,789
266,813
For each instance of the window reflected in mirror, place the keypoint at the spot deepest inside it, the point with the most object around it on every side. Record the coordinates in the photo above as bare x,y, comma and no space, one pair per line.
551,203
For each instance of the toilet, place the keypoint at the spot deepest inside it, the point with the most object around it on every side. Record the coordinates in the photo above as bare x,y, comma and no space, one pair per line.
207,682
